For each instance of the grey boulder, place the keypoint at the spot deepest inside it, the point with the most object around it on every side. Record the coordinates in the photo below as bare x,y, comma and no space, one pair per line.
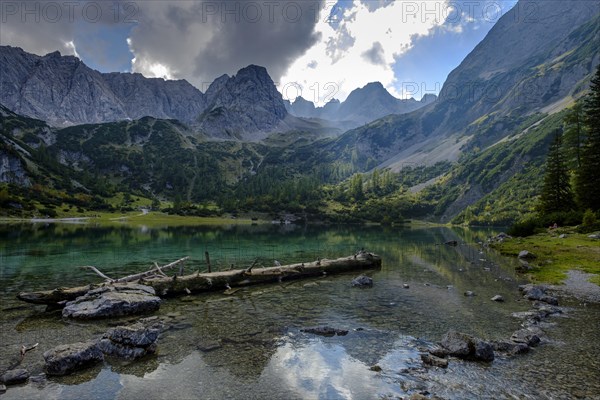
131,342
113,301
68,358
465,346
15,376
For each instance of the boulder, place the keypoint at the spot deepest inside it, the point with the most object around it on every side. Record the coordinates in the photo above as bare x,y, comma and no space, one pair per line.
325,331
469,293
538,292
362,281
594,236
467,347
15,376
2,389
113,301
498,298
544,310
131,342
510,347
527,336
68,358
526,255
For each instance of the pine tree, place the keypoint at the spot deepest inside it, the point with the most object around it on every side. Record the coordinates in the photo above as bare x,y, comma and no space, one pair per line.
556,193
587,179
574,133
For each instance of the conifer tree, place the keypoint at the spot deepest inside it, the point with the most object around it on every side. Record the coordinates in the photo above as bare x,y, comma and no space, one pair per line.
587,179
556,193
574,133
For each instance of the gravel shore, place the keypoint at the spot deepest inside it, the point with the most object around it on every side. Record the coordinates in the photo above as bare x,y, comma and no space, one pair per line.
577,285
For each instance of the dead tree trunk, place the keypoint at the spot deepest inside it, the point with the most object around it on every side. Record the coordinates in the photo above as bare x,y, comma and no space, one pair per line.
210,281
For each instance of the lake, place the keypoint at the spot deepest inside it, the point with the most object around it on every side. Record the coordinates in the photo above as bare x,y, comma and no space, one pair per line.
262,352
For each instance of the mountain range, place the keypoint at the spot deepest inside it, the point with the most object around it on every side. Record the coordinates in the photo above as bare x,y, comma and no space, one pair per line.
362,106
482,141
63,91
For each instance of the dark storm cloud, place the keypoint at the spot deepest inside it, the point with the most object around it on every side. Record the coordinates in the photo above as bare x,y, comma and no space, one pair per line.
202,40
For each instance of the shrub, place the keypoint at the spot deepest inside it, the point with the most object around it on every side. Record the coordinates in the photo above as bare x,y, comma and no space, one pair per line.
527,227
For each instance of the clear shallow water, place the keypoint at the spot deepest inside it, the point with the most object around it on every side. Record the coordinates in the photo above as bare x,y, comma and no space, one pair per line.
263,353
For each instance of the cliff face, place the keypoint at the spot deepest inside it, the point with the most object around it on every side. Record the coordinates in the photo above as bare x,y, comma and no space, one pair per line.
243,105
62,90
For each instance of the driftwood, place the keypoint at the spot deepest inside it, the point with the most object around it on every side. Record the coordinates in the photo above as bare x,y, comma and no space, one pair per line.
211,281
59,296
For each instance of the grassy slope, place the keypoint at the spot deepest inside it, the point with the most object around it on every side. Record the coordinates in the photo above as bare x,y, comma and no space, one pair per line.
556,256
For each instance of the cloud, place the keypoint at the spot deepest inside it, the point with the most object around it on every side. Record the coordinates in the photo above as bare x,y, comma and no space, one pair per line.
194,40
375,54
359,47
200,41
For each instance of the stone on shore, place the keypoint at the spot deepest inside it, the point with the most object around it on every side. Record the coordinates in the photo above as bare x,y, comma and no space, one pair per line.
113,301
69,358
526,255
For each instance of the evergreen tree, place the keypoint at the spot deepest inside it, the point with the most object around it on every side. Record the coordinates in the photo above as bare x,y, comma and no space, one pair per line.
556,192
574,135
356,187
587,179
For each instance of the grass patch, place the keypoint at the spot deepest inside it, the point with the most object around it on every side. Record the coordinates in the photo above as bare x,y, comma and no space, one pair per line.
556,256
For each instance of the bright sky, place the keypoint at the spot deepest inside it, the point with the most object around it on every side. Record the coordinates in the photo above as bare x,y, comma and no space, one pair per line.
317,49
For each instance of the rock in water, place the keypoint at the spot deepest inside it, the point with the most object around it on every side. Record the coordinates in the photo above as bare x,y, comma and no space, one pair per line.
467,347
68,358
538,292
430,359
362,281
133,341
527,336
15,376
113,301
325,331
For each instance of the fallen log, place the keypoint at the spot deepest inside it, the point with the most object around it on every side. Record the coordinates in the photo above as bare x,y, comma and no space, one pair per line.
211,281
